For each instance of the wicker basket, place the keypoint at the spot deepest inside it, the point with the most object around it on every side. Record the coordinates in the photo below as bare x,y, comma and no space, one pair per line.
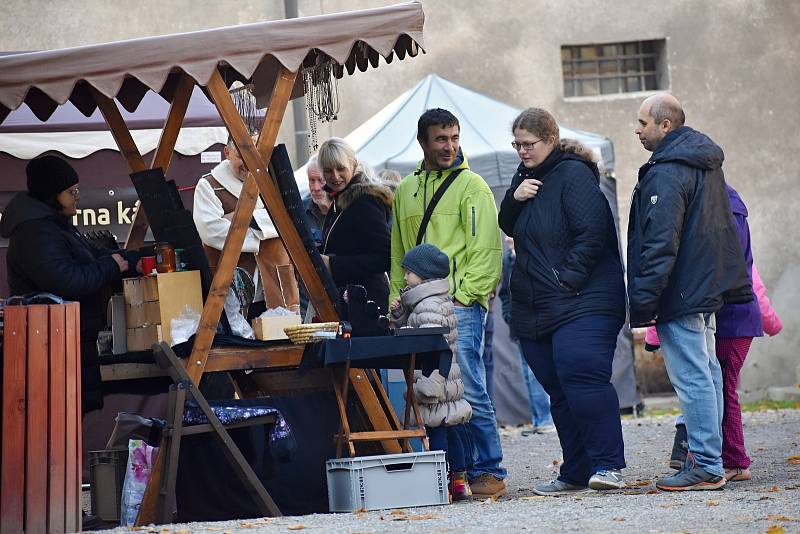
303,333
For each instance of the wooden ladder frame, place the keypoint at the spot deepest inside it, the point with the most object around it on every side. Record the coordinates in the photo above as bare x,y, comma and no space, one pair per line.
256,157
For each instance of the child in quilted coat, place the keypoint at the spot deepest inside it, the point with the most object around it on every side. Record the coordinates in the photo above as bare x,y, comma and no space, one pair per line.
426,302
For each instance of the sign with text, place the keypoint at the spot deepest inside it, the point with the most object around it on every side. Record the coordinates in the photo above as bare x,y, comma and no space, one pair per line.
98,209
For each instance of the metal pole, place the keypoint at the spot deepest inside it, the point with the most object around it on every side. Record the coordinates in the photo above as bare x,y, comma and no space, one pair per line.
298,104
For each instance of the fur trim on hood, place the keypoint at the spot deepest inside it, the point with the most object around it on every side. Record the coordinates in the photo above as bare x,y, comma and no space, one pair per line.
360,186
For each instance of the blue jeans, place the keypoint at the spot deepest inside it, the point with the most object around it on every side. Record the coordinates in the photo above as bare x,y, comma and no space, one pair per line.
486,450
537,396
454,441
488,353
573,364
693,369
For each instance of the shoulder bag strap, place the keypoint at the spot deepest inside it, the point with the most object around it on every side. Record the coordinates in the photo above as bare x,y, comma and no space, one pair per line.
432,205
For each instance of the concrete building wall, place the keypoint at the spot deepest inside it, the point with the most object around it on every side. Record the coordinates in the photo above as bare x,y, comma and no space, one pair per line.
733,64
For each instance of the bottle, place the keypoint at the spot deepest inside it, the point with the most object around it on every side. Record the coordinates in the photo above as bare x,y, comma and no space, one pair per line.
165,255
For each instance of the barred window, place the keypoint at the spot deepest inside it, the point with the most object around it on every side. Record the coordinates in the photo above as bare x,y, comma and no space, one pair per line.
605,69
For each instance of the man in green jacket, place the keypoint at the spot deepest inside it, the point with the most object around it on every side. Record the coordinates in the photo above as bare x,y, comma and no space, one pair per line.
464,226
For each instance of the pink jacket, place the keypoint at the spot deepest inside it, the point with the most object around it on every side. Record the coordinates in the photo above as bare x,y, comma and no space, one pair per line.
769,318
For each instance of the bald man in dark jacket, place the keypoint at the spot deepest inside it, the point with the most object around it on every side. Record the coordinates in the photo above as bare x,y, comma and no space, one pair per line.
684,262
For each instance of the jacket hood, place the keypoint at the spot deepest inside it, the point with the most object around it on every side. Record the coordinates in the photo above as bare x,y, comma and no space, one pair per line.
360,186
559,155
690,147
413,295
23,208
736,202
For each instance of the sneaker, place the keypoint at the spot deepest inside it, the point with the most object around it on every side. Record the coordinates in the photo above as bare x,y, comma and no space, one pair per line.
737,474
486,485
544,429
680,448
606,479
459,486
559,487
691,479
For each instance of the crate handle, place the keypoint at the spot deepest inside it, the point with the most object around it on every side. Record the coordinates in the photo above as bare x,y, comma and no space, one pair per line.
404,466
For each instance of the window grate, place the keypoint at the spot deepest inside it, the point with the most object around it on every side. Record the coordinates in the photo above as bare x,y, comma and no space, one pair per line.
603,69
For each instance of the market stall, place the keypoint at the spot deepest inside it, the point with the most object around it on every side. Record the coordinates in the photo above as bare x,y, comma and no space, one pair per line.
276,61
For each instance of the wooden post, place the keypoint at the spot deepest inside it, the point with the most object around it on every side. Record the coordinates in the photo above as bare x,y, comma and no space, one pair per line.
128,148
254,159
163,155
119,130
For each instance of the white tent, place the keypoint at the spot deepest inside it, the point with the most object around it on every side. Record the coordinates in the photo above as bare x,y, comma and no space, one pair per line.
389,139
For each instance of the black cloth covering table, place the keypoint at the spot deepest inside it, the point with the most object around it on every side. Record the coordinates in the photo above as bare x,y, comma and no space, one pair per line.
382,352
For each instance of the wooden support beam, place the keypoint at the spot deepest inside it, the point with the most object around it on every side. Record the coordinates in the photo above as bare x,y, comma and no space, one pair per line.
119,130
163,155
254,159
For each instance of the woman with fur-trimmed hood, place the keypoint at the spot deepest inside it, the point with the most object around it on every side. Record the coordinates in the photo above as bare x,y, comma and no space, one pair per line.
356,241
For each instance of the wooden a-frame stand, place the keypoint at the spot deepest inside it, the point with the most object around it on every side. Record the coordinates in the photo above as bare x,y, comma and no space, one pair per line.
368,390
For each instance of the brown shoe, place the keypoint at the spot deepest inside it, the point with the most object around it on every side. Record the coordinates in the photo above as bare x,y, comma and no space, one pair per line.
737,474
486,485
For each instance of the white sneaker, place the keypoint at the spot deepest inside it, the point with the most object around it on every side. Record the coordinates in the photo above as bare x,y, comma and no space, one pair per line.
544,429
607,479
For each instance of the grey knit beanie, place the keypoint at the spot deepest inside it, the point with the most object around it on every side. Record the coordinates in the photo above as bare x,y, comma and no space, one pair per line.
427,261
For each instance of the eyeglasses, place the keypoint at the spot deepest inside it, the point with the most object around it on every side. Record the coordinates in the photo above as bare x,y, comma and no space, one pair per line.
75,192
524,146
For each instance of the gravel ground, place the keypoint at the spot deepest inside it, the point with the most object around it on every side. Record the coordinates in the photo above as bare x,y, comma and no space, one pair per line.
770,501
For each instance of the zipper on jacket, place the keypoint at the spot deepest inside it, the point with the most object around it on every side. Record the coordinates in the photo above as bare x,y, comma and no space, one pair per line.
455,285
473,221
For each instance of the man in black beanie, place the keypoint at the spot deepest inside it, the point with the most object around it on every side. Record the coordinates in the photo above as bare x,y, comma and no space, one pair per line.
47,254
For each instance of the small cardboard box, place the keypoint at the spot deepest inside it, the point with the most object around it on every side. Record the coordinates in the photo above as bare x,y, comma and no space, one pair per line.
133,290
150,288
139,290
267,328
142,338
134,315
176,291
137,315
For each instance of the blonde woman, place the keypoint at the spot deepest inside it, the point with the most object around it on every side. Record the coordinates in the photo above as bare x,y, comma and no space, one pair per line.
356,239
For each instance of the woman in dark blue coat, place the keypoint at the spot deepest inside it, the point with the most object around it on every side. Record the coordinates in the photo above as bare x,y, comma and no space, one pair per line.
567,297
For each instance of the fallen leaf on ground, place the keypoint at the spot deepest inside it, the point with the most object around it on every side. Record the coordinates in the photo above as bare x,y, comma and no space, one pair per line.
794,460
297,527
771,489
398,512
421,517
619,519
775,517
638,484
532,498
776,529
712,503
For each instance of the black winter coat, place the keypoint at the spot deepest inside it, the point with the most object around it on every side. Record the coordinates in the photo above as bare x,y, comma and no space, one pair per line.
568,263
684,255
46,253
357,238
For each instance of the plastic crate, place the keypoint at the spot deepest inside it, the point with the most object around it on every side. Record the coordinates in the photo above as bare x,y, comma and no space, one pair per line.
388,481
106,476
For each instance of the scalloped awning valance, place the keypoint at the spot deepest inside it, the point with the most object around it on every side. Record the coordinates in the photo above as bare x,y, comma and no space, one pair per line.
249,53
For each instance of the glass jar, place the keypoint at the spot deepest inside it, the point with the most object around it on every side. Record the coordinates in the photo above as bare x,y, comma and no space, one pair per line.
165,256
